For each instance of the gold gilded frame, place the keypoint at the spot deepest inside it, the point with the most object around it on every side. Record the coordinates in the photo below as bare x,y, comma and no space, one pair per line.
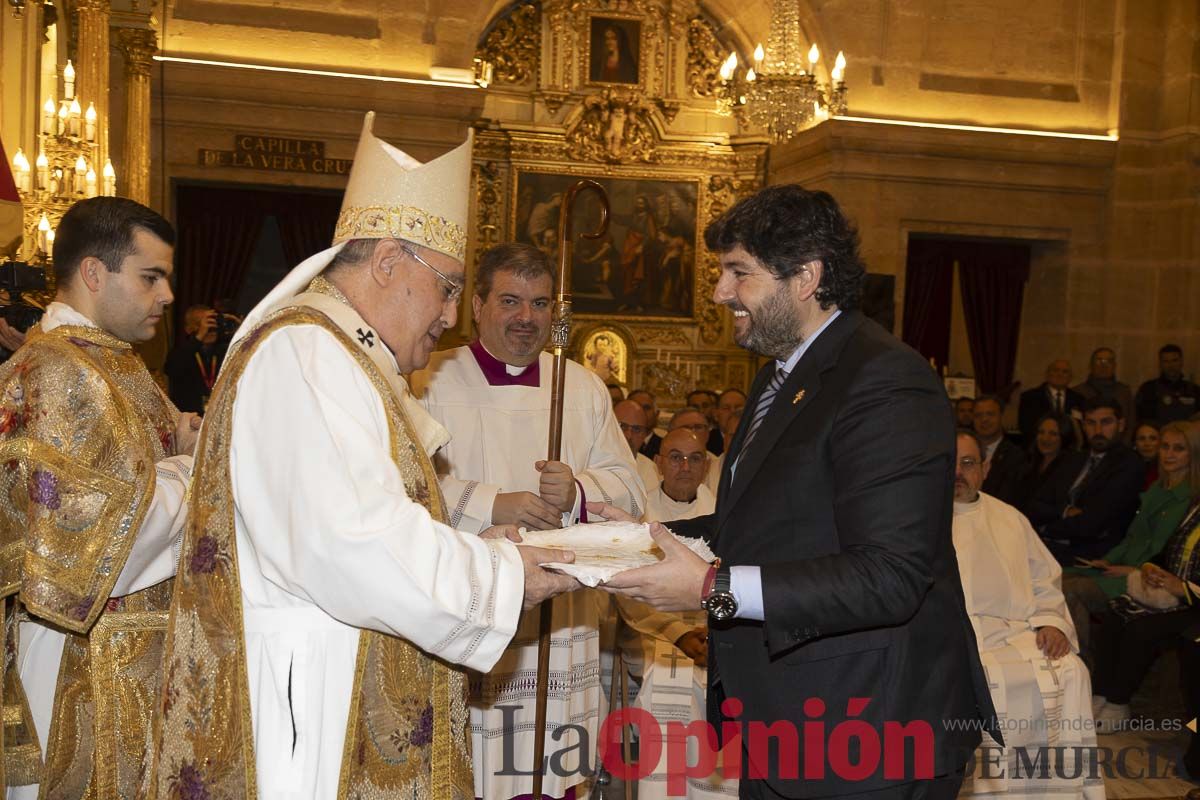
699,286
644,23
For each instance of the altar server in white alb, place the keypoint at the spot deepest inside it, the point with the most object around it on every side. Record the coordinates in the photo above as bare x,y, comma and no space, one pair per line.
323,601
494,397
1027,643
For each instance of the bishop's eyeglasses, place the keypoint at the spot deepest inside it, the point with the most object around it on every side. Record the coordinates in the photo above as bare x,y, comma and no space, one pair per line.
453,289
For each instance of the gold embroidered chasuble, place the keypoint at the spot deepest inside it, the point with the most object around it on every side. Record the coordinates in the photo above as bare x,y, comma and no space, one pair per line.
82,425
407,733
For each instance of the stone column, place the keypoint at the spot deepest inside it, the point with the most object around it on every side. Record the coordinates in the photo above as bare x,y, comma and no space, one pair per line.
136,45
91,67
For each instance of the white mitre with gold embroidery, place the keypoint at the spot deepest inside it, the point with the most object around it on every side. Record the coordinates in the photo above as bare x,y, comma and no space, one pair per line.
390,195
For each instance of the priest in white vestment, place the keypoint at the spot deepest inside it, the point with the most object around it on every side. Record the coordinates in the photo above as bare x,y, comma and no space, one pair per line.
635,427
675,678
1028,646
354,597
493,396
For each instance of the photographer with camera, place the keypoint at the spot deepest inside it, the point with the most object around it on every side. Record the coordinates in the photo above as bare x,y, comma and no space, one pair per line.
17,313
193,364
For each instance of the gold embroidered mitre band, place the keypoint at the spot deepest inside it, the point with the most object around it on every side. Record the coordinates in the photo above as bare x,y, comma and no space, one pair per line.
81,426
407,732
392,195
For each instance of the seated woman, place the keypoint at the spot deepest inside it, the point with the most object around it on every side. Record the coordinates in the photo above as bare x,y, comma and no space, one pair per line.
1047,453
1129,640
1145,441
1088,589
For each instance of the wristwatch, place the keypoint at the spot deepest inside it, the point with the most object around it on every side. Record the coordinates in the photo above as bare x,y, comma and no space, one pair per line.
719,601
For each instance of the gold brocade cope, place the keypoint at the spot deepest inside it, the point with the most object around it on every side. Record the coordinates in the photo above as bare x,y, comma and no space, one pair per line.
407,732
82,424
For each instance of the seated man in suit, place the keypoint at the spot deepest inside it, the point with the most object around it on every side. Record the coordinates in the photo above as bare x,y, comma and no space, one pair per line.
1053,396
1027,642
1086,510
1006,461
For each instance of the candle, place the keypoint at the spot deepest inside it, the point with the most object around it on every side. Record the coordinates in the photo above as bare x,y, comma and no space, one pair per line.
69,80
90,183
21,170
49,242
48,121
43,234
73,118
43,171
89,120
110,179
63,109
81,168
758,55
839,67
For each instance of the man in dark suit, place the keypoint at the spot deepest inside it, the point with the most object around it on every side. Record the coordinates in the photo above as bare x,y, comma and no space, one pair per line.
1087,509
837,594
1053,397
1006,461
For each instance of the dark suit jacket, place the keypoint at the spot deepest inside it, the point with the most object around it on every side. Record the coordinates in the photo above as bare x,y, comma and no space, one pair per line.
1108,498
844,499
1035,404
1008,468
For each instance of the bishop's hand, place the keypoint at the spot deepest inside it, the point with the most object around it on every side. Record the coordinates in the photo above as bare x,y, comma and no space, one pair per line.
557,484
187,432
540,583
525,509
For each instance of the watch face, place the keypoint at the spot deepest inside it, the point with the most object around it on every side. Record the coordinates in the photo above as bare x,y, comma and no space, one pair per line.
721,606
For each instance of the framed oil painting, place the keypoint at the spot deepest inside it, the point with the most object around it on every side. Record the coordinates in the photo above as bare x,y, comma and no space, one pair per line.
614,50
645,266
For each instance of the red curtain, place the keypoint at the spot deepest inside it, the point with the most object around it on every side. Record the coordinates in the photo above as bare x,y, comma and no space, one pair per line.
306,227
993,277
219,227
928,285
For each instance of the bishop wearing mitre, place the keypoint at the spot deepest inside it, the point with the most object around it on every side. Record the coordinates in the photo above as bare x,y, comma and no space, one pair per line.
324,610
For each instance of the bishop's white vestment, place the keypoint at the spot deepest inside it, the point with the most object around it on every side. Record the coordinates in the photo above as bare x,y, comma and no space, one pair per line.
498,429
1013,586
331,547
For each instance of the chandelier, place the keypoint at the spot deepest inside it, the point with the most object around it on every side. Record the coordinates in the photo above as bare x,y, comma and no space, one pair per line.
64,170
780,92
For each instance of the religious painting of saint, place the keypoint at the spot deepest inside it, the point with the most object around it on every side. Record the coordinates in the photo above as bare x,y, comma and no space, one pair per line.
644,266
614,50
605,354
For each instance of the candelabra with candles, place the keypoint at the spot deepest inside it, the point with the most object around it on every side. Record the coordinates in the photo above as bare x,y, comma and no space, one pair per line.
64,170
780,93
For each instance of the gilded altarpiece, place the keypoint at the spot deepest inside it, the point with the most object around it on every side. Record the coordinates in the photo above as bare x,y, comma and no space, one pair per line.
576,95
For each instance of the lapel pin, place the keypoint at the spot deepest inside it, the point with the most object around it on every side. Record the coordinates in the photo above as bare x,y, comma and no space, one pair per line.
799,396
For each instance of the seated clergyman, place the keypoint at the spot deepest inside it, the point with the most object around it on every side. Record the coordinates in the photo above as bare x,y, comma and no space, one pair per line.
1027,643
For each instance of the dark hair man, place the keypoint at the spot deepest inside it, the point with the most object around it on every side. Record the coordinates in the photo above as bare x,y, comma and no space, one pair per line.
1170,397
1087,510
837,577
1006,461
99,463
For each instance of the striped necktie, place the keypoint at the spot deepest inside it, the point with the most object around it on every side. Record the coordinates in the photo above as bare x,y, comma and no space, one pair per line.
760,410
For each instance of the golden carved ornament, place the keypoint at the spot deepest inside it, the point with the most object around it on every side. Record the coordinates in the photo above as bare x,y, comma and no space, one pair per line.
489,206
704,57
722,193
660,336
138,47
513,46
614,127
